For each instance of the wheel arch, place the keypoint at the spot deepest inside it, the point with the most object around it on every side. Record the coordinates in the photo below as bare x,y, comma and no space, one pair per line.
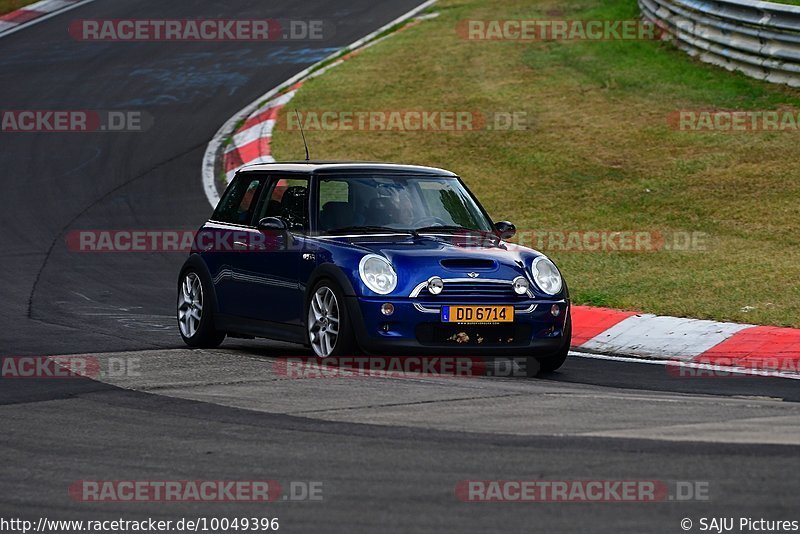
327,271
338,277
195,262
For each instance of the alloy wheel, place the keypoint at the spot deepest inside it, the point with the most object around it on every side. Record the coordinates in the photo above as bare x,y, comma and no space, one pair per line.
323,322
190,305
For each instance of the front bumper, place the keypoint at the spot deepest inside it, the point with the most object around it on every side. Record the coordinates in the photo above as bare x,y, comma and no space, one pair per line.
415,328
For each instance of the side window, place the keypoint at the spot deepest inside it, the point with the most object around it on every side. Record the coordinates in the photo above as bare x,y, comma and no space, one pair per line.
236,206
287,199
334,202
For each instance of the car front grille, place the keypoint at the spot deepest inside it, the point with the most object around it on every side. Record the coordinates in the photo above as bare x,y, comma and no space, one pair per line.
469,290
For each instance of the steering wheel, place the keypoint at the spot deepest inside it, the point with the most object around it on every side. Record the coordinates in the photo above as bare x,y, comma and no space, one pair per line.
429,221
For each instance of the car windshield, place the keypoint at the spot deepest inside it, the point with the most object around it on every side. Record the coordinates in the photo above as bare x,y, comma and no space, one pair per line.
372,204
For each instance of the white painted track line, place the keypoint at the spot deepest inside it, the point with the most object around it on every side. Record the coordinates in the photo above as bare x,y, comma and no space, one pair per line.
689,365
28,24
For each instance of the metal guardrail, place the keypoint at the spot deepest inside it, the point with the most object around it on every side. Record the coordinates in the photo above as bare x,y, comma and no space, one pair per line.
760,39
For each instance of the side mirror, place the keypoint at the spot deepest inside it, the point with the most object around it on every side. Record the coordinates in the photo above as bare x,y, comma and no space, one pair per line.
272,225
505,230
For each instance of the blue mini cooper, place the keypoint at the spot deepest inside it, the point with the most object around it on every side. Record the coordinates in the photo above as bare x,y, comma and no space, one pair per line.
386,259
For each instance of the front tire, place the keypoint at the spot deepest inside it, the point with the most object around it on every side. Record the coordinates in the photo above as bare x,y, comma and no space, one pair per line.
536,365
195,312
328,324
553,363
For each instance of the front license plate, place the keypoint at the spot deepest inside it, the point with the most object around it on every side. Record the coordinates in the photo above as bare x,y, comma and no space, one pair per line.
477,314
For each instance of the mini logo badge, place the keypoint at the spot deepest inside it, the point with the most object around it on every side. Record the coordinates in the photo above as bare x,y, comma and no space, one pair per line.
473,275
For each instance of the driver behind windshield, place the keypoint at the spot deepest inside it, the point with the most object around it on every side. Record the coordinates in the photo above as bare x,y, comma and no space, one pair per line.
398,204
395,211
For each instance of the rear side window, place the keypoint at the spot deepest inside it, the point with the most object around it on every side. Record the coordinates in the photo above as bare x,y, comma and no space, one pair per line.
238,203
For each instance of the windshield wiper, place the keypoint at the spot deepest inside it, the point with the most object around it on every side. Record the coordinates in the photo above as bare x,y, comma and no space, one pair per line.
367,229
450,228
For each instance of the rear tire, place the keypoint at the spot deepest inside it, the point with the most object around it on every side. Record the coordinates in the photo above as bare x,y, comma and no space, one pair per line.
196,312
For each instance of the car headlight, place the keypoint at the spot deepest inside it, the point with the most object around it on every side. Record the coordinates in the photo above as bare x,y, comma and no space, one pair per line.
377,274
546,276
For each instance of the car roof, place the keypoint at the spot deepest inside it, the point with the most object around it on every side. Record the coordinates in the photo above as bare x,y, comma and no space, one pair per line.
333,167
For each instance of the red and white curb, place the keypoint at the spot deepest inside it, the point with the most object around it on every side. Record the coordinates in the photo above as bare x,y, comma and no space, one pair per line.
35,13
759,350
597,332
252,141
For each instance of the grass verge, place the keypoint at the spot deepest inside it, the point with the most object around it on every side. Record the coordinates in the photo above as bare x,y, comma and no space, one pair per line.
7,6
598,156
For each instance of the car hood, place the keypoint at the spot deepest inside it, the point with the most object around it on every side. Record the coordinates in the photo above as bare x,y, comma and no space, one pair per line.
417,258
448,256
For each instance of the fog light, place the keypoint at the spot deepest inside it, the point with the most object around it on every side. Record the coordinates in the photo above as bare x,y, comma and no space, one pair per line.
520,285
387,309
435,285
555,310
